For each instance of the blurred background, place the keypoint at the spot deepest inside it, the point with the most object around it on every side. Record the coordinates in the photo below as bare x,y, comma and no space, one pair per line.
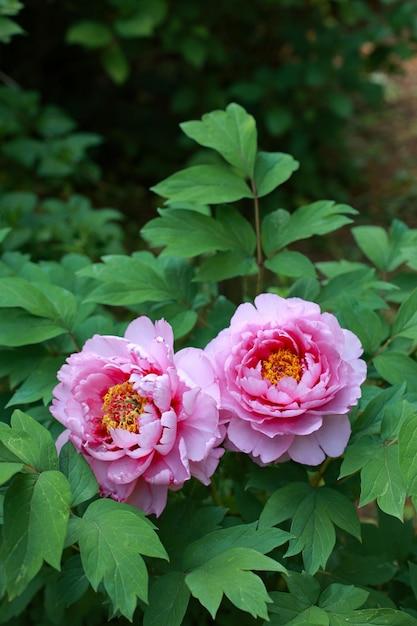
91,95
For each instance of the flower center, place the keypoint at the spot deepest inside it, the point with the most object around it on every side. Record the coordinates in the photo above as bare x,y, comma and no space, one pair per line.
122,407
280,364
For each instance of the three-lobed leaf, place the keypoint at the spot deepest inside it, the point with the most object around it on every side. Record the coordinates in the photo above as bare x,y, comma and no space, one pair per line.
112,538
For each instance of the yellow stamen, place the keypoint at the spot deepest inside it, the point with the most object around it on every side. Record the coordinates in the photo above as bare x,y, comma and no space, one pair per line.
280,364
122,406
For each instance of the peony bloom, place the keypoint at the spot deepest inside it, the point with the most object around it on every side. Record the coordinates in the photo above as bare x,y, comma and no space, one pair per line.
288,376
144,419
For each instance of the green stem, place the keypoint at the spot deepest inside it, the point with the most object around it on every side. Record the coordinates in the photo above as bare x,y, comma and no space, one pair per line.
259,255
316,479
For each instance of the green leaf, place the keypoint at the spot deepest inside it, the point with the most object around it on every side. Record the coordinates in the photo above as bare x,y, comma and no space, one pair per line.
36,511
283,504
128,280
115,63
205,184
232,133
18,292
89,34
80,477
8,28
3,233
29,441
271,170
303,587
382,480
281,228
39,384
360,285
397,367
144,22
364,322
407,449
342,598
377,617
293,264
8,470
405,324
188,233
314,513
373,241
225,265
17,328
228,574
262,540
171,587
112,538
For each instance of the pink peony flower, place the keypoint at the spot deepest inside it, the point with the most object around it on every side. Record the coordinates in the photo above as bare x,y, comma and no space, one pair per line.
145,420
288,376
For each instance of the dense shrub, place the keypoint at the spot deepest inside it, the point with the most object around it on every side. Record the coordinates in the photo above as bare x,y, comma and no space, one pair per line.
339,534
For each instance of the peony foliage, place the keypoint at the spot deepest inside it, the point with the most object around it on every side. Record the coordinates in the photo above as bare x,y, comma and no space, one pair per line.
215,426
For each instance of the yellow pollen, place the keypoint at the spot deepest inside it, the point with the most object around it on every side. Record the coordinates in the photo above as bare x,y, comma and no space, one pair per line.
280,364
122,407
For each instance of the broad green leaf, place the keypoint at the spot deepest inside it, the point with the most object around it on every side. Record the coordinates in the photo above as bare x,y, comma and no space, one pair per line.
29,441
171,610
293,264
359,285
9,28
342,598
314,512
405,324
377,617
285,608
188,233
228,574
283,504
407,449
397,367
89,34
18,328
182,323
8,470
112,538
3,233
144,22
303,587
80,477
386,251
36,511
382,480
281,228
204,184
271,170
128,280
39,384
364,322
20,293
373,241
232,133
313,616
225,265
115,63
262,540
